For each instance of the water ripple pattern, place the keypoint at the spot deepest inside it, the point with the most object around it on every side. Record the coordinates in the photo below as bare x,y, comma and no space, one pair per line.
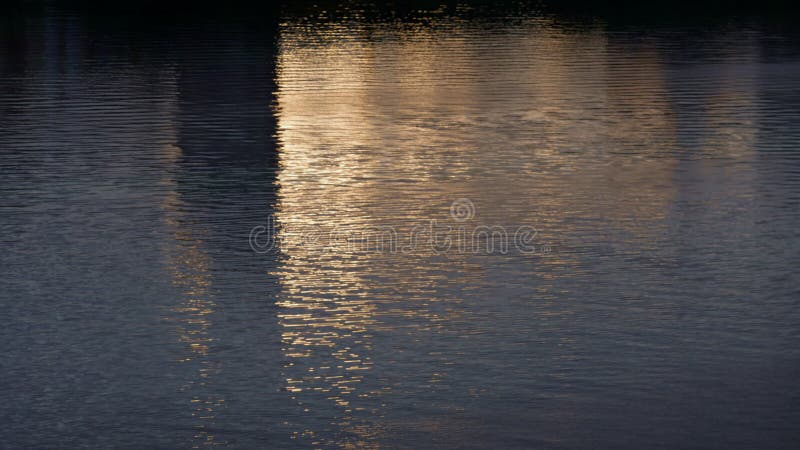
656,168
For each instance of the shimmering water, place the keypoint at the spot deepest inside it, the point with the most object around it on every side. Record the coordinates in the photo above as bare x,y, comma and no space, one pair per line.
658,164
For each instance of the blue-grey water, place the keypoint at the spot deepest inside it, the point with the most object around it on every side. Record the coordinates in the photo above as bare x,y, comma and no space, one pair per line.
658,163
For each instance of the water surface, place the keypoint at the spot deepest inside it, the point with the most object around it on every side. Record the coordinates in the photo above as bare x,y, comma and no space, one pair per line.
658,164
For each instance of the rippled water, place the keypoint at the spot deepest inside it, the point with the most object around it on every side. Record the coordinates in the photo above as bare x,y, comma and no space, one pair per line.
658,165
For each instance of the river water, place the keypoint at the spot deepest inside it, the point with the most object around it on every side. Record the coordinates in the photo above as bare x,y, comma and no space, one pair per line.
301,231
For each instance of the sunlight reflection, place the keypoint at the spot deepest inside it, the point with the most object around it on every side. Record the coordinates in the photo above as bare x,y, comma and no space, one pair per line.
386,124
191,274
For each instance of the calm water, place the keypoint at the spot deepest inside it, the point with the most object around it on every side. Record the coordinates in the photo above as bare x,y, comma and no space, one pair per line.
659,165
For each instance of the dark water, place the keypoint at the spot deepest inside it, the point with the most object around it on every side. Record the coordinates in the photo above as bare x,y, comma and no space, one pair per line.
659,165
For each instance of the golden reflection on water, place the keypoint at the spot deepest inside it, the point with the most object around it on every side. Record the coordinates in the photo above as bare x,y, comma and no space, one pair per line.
385,125
189,267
